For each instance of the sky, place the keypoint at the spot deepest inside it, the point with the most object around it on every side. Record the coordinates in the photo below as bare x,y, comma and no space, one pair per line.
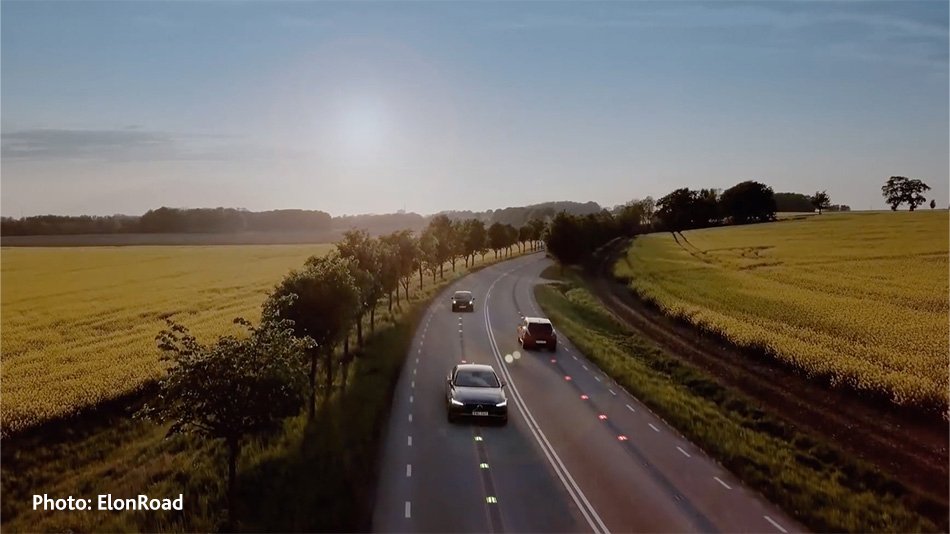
121,107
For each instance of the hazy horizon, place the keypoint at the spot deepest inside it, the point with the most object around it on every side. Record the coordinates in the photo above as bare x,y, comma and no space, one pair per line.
376,107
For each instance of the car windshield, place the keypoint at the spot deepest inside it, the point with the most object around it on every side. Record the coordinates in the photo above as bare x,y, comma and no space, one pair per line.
476,379
463,295
540,329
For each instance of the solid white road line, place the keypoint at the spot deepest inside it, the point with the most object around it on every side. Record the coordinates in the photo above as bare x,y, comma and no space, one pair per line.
686,454
587,509
653,427
408,508
719,480
408,470
774,524
630,408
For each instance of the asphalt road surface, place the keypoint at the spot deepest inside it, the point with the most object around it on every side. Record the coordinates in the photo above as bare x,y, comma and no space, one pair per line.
578,454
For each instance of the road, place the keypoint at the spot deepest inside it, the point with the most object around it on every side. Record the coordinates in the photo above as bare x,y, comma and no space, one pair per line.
578,454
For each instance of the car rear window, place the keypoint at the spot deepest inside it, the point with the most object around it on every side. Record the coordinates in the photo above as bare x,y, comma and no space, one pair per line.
463,295
476,379
540,329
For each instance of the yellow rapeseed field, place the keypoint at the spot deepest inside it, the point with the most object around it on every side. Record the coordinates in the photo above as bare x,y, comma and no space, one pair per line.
860,298
78,324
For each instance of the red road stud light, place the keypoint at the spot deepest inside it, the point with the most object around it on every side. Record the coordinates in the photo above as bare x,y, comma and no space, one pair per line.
621,437
553,360
584,397
567,378
602,417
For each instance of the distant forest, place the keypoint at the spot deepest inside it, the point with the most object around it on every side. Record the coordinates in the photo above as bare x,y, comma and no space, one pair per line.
230,220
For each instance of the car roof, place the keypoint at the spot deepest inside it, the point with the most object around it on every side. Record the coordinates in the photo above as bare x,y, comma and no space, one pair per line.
474,367
463,291
541,320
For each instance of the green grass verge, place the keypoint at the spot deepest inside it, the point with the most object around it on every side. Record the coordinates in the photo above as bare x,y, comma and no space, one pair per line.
815,482
315,476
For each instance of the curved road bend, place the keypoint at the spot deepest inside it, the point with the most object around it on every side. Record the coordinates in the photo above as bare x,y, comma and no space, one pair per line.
578,454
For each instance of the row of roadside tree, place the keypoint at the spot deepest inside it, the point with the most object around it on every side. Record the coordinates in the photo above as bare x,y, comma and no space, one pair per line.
298,356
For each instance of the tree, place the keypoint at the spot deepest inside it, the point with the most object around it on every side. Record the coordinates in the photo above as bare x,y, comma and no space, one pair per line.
899,190
511,237
524,236
326,304
565,239
407,256
538,229
363,250
674,210
429,252
705,211
389,267
748,201
497,237
442,229
933,204
820,201
231,390
475,238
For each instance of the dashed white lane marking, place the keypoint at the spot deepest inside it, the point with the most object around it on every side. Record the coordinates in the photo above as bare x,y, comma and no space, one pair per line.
408,508
413,372
408,470
420,352
417,360
686,454
584,366
410,418
410,399
630,408
612,392
719,480
413,384
655,429
774,524
572,356
568,349
410,441
597,378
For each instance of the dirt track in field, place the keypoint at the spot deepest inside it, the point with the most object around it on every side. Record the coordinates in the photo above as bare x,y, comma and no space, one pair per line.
910,448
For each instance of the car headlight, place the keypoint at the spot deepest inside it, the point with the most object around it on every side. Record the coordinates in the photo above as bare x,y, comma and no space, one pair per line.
502,404
457,403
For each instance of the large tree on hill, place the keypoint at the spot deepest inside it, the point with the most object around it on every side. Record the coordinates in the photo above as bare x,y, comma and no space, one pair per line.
748,201
231,390
899,190
820,200
326,303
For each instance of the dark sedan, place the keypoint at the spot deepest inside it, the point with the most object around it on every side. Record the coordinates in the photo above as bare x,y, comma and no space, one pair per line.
463,300
473,390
